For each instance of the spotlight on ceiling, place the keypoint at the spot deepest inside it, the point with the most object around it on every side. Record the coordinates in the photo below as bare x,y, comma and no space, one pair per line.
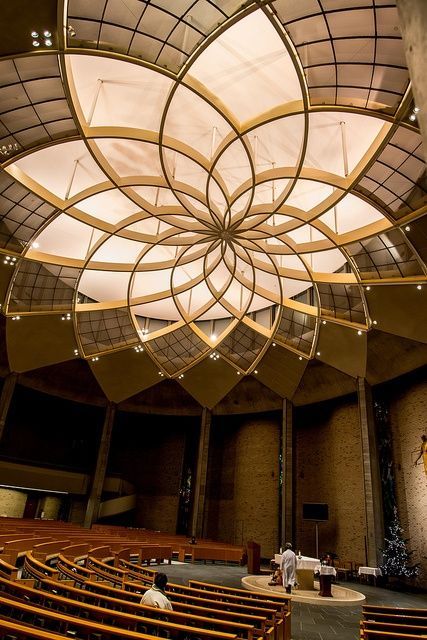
8,149
71,31
45,39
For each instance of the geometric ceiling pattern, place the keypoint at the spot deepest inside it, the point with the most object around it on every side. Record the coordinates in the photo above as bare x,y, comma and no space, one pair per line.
206,180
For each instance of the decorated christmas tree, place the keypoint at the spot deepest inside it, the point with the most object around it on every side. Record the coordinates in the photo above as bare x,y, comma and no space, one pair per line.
396,557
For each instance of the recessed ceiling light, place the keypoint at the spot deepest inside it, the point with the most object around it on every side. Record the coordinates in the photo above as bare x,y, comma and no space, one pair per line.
256,371
274,344
359,333
48,42
238,373
416,109
368,288
213,336
412,117
47,34
419,287
323,321
71,31
318,353
374,322
36,43
34,34
300,358
407,228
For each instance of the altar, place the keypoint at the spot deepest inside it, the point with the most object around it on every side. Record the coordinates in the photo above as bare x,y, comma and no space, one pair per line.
305,570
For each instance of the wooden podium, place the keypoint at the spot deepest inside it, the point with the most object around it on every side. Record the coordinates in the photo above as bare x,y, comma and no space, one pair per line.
254,554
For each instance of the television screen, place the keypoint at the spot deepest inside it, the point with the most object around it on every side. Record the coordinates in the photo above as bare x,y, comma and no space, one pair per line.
317,511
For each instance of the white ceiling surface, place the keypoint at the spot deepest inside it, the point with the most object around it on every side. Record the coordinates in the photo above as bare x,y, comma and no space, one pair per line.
248,71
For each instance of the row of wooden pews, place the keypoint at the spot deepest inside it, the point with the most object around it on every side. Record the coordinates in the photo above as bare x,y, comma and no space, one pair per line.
82,584
242,617
385,622
49,537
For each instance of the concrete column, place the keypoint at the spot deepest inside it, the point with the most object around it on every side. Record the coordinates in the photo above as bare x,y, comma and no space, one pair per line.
197,520
6,398
371,476
413,25
94,501
287,454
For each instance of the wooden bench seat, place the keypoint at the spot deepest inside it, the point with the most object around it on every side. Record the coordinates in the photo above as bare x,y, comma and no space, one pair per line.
94,590
63,623
373,609
281,599
395,627
119,617
375,634
213,553
382,622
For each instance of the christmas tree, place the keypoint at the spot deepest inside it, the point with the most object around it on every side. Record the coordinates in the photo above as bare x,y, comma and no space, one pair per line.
396,557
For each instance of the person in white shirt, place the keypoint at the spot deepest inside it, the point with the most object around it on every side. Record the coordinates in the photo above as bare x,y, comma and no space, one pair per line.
288,565
155,596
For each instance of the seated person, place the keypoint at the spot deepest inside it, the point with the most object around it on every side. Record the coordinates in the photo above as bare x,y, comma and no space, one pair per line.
155,596
276,578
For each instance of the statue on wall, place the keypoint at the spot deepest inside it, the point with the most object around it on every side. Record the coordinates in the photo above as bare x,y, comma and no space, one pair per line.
423,453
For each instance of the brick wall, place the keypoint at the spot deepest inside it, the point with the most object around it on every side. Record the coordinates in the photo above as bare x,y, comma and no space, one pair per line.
408,411
243,487
50,506
12,503
328,469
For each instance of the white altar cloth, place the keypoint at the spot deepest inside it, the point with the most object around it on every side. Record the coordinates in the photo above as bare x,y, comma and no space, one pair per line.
303,562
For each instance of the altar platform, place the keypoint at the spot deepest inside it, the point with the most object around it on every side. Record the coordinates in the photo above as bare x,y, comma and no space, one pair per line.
341,596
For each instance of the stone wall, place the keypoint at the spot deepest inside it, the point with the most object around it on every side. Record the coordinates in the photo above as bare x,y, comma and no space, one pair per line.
328,469
408,411
243,481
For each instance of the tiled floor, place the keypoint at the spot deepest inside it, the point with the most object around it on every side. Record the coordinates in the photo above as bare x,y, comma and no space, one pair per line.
309,622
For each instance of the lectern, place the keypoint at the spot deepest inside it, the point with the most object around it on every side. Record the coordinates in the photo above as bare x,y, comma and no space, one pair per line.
254,553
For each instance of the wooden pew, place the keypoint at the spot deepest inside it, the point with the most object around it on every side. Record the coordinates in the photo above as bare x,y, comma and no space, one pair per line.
21,631
371,634
393,627
377,612
8,571
48,550
211,552
109,607
228,602
282,602
60,622
275,597
93,591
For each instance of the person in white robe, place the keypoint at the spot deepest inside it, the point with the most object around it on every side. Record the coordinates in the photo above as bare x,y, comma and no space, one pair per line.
288,565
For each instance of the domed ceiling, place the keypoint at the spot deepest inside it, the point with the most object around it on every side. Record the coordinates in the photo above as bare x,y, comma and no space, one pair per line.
202,190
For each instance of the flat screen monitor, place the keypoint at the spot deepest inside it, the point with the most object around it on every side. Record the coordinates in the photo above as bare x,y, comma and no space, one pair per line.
317,511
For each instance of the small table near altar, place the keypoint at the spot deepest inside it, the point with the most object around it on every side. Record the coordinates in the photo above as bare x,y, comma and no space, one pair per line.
370,571
325,578
305,570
